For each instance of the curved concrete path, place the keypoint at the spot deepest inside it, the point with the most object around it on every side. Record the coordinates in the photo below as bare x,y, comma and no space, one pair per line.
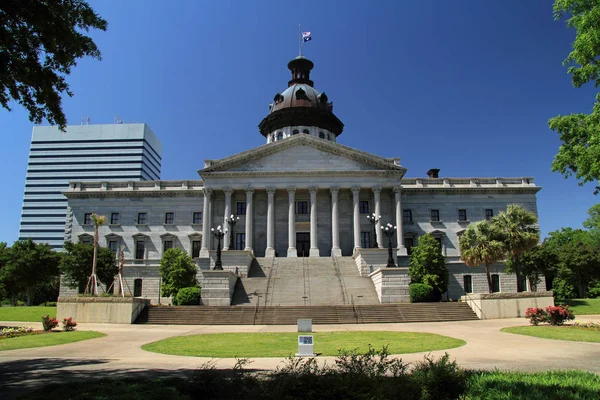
120,353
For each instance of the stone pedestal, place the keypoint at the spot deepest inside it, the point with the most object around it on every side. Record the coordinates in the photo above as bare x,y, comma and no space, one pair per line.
369,260
236,261
506,305
217,287
105,310
391,285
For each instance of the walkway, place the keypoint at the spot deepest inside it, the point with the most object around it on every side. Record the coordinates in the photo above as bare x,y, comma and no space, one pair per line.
120,352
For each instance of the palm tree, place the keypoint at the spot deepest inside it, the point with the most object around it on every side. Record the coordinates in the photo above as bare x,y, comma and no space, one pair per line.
480,245
98,220
520,232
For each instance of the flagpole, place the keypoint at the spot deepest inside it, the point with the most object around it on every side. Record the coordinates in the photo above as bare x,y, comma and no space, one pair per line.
299,41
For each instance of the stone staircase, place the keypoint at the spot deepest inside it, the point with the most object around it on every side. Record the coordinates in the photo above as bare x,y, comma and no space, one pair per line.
288,315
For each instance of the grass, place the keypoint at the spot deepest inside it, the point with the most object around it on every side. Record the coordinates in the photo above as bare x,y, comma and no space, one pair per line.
583,306
572,333
229,345
47,339
26,314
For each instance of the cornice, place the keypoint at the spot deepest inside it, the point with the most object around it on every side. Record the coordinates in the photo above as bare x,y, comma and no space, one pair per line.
261,174
132,193
481,189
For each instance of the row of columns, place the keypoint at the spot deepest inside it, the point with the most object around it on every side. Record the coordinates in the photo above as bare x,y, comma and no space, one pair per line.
314,249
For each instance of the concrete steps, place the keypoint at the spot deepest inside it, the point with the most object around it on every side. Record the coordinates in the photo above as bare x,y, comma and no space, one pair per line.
288,315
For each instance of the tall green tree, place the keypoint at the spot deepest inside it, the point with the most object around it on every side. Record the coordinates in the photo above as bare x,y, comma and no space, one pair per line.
40,41
177,270
593,220
428,264
29,266
579,153
519,231
479,245
76,264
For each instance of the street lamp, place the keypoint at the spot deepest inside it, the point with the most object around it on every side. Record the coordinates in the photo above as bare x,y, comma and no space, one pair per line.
374,219
218,233
231,221
389,231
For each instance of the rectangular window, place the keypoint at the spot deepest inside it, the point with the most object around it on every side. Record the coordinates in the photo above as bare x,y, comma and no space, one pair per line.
169,218
468,283
86,240
363,206
240,241
142,218
489,213
140,250
522,287
241,208
439,240
302,207
406,216
113,245
114,219
409,244
196,245
197,217
462,215
434,215
495,283
167,244
137,288
87,219
365,240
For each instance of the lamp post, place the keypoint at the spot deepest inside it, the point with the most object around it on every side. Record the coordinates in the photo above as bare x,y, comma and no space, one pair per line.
389,231
374,219
231,221
218,233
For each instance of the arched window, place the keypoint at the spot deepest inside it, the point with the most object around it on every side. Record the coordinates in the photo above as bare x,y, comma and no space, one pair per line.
295,132
321,135
305,131
328,137
279,135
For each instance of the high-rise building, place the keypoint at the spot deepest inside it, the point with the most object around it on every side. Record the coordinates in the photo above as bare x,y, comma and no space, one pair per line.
115,152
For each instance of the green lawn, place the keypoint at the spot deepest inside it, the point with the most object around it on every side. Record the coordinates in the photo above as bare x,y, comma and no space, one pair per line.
26,314
572,333
583,306
231,345
47,339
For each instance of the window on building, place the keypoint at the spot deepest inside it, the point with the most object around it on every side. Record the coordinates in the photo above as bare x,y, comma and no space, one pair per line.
169,218
321,135
241,208
279,135
434,215
363,206
365,240
142,218
86,240
240,241
81,287
115,219
137,287
302,207
462,215
295,132
495,283
439,240
305,131
522,287
196,246
409,243
140,250
87,219
489,213
167,244
468,283
197,217
328,137
113,245
407,216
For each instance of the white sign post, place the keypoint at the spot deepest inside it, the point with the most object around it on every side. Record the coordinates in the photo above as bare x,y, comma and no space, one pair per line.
305,346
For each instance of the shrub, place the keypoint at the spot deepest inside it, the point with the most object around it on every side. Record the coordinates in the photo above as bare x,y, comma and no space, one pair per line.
589,325
594,289
536,315
440,379
14,332
69,324
557,315
189,296
49,323
420,293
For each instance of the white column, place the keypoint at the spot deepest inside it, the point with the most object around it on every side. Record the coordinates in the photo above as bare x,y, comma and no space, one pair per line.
400,231
356,216
292,252
206,224
377,195
270,251
228,193
249,212
314,244
335,225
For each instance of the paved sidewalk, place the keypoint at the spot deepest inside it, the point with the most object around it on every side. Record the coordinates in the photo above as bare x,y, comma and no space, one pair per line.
120,353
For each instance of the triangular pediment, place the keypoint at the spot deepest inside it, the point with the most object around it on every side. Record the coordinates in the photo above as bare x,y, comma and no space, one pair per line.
302,153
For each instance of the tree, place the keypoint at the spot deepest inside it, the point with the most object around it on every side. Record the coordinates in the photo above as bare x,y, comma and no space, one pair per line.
519,231
579,153
428,264
534,264
593,220
177,270
92,286
76,264
4,257
479,245
30,265
41,40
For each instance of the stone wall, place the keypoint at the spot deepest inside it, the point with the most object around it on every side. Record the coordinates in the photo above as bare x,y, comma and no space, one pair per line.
507,305
108,310
391,284
218,287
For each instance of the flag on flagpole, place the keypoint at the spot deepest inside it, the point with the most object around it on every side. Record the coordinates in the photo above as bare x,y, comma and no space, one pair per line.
306,37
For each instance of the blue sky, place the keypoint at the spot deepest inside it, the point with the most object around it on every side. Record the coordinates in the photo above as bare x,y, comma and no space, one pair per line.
465,86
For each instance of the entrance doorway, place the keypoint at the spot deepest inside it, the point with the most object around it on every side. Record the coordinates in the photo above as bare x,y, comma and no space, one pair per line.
303,243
